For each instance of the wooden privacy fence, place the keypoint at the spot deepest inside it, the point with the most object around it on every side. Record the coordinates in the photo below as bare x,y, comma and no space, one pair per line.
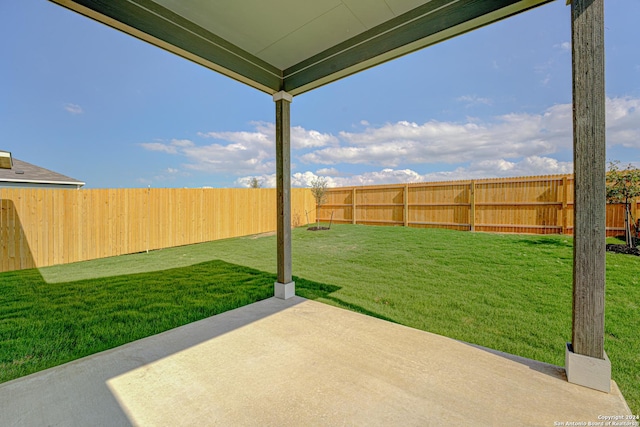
46,227
538,205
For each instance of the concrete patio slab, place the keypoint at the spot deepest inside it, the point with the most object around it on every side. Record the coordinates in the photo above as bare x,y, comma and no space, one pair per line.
298,362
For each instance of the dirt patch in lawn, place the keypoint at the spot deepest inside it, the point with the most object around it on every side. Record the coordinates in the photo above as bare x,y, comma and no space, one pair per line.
257,236
622,249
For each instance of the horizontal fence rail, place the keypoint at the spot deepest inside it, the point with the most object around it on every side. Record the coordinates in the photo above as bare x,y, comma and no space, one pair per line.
43,227
536,205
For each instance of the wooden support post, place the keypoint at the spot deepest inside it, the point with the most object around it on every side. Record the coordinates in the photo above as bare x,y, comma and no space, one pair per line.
586,360
353,206
405,212
284,287
472,205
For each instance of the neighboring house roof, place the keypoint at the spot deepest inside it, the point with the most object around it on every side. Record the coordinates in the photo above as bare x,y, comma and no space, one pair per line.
23,172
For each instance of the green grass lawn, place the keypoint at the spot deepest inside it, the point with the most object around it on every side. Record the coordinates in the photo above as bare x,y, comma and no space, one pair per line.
507,292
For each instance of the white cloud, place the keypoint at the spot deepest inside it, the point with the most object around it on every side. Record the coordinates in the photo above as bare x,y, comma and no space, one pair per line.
239,152
328,172
171,148
546,80
623,122
564,46
533,165
528,166
385,176
262,137
497,168
182,143
302,138
73,109
230,158
265,136
298,180
509,136
265,180
305,179
159,146
509,145
243,153
473,100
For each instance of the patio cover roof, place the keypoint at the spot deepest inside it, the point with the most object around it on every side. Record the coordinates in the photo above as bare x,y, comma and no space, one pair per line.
295,45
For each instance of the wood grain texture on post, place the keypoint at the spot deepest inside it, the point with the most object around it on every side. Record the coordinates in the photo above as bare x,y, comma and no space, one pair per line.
587,26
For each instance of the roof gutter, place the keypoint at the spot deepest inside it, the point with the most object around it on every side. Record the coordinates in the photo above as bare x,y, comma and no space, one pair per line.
34,181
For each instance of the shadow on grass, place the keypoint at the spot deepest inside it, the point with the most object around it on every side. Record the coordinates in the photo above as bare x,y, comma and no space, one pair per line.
353,307
553,242
47,324
320,291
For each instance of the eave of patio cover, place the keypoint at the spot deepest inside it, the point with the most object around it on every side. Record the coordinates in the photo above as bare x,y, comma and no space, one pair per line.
279,45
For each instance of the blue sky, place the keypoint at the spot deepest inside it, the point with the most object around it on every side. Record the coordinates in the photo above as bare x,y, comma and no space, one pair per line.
87,101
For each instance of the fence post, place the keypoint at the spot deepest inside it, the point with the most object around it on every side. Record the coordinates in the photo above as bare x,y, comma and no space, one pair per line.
405,197
634,211
472,205
353,206
148,216
564,204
